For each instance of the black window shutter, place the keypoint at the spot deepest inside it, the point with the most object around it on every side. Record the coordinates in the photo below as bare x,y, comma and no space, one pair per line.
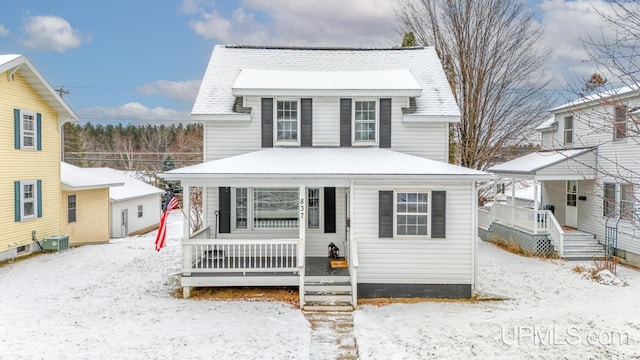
306,122
438,214
224,204
267,122
385,214
385,123
345,122
330,210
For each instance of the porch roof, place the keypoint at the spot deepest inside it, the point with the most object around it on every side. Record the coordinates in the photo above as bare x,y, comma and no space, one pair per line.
314,162
572,164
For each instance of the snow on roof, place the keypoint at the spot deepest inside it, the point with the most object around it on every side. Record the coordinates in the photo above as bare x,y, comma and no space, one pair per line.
594,98
530,163
215,96
548,124
76,178
317,83
20,63
132,188
324,161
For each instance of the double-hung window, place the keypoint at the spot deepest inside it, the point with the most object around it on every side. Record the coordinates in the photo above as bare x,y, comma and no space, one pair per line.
275,208
568,130
609,199
71,208
287,122
620,123
365,121
313,209
28,199
412,213
140,211
626,201
28,129
241,208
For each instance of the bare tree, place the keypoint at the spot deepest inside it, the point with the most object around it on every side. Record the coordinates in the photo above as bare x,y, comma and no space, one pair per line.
491,53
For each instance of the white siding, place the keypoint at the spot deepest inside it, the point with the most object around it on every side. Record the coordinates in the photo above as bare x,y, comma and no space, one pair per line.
316,243
554,193
419,261
151,214
580,167
548,139
229,138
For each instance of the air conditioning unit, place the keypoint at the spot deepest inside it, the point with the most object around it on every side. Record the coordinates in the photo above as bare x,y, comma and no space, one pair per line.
55,243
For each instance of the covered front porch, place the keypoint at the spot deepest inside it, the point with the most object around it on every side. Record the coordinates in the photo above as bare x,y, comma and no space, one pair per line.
565,178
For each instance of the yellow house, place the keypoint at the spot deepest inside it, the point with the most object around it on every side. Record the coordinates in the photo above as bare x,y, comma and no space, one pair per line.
32,114
85,205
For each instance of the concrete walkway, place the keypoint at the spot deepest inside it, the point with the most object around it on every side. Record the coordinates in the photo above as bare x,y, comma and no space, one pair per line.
332,336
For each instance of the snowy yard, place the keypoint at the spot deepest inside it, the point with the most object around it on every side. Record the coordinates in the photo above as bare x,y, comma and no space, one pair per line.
114,302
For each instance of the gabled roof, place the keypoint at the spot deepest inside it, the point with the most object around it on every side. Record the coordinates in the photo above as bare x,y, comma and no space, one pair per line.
132,188
314,162
593,99
76,178
547,124
216,98
11,63
530,163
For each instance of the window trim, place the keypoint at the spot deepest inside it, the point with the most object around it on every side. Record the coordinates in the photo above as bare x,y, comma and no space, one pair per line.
22,130
140,211
34,199
355,142
320,209
568,130
622,123
250,210
75,209
395,214
275,123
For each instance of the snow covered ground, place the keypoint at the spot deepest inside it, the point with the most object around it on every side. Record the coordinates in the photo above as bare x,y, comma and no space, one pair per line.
114,302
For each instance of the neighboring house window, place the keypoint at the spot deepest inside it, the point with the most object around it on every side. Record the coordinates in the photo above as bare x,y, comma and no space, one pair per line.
313,209
28,200
365,121
412,213
626,201
568,130
28,129
620,123
287,121
71,208
242,213
275,208
609,199
140,211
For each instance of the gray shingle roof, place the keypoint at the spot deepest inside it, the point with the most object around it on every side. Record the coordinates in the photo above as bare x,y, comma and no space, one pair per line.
215,96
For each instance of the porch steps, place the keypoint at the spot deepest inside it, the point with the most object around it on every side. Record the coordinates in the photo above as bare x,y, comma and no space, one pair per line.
328,293
581,246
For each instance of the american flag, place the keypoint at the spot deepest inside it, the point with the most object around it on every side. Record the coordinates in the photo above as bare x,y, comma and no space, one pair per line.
170,203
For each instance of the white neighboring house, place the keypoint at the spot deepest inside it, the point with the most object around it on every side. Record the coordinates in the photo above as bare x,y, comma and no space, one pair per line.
135,207
305,147
590,175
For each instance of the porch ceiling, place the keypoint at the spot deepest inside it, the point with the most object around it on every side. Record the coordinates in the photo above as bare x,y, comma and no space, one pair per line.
324,163
573,164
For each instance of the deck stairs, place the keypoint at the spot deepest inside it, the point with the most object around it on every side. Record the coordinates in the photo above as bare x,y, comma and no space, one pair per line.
328,293
580,245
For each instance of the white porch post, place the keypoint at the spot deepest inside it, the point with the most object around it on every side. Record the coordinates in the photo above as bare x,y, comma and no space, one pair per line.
513,198
186,206
536,203
302,221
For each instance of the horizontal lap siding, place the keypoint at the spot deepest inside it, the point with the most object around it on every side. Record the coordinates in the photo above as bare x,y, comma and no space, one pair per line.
420,261
583,165
316,240
326,121
151,213
28,165
428,140
554,193
92,216
590,217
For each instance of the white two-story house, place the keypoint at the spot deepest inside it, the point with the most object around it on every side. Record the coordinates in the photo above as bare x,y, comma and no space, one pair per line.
589,170
308,147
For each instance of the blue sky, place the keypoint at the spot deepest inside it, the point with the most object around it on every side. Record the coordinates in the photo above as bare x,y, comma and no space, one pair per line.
142,59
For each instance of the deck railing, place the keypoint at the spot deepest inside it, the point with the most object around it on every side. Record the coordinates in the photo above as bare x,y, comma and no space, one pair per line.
224,255
484,218
534,221
556,234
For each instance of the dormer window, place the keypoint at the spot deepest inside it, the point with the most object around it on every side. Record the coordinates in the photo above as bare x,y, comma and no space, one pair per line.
568,130
287,122
365,122
620,123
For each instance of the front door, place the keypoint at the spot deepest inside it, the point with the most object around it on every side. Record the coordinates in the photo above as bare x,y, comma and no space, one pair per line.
571,208
124,222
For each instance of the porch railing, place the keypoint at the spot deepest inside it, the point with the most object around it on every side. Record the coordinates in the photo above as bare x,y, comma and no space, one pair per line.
534,221
556,233
225,255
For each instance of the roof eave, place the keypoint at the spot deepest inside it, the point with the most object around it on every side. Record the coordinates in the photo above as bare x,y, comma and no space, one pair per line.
325,92
417,118
221,117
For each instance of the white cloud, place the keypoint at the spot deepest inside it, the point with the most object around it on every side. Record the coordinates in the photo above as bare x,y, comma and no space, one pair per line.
132,111
3,30
51,33
567,24
184,91
301,22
